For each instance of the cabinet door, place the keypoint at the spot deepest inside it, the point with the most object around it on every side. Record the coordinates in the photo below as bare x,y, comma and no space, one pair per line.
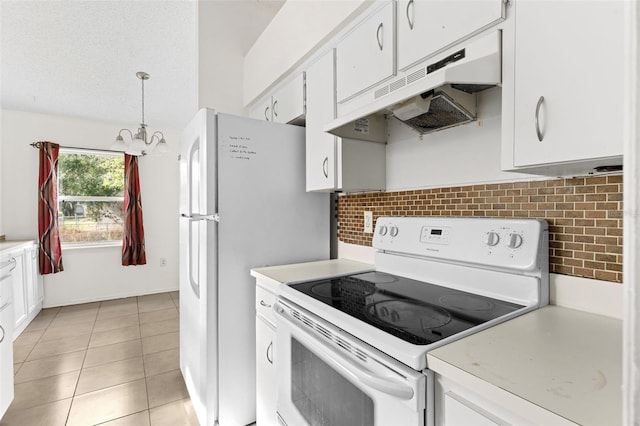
288,101
265,374
365,56
320,152
33,281
19,291
262,110
428,26
569,81
6,356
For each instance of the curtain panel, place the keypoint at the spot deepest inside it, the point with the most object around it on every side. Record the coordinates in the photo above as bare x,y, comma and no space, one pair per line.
133,249
48,232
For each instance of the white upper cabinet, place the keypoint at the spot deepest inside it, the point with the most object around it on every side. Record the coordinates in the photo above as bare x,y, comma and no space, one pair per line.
321,146
333,163
569,85
262,110
426,27
366,56
287,104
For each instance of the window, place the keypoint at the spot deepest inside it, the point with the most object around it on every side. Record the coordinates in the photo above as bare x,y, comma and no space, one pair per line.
90,196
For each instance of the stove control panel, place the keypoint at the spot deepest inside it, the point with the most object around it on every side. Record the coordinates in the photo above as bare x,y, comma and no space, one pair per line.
434,235
503,243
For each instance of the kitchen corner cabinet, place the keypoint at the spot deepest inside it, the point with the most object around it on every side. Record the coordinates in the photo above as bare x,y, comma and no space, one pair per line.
366,56
285,105
569,85
266,384
333,163
426,27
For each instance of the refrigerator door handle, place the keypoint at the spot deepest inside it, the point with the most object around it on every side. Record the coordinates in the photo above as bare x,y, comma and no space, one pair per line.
211,217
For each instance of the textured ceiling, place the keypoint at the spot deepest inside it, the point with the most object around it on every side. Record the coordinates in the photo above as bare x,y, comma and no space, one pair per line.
80,57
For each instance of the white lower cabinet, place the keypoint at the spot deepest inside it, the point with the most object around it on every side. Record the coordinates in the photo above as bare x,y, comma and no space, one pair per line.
19,292
266,384
28,294
333,163
486,405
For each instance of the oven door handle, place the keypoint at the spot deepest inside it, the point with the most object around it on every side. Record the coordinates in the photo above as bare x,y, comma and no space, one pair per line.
384,383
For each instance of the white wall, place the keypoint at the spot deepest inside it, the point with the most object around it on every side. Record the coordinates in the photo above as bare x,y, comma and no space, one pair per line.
91,273
463,155
220,60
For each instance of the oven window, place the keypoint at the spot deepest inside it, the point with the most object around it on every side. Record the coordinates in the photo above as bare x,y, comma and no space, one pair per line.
323,396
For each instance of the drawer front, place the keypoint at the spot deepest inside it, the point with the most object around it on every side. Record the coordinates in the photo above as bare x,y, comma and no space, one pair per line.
264,304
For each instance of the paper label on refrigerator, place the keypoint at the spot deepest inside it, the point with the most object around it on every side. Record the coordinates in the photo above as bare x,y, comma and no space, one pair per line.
239,148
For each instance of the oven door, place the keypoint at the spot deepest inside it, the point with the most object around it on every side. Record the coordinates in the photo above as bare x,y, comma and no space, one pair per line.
327,377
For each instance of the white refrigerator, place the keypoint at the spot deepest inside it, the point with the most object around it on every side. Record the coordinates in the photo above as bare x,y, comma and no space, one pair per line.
242,205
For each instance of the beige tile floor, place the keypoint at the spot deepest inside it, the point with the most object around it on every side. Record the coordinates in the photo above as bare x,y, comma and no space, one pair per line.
108,363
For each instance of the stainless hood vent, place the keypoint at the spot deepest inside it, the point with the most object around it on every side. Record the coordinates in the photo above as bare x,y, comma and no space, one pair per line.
433,96
437,110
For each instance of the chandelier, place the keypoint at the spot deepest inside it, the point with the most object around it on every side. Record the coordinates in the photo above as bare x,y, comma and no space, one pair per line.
139,143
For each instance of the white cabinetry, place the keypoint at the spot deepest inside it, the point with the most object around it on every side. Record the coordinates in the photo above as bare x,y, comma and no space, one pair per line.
262,110
285,105
26,281
456,405
6,332
265,358
332,163
20,293
288,101
366,55
426,27
569,87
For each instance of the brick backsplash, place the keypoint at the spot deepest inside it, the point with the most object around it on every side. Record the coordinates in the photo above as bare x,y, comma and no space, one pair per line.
584,216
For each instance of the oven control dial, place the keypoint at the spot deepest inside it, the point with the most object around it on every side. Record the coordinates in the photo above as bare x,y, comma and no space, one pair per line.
491,238
393,231
515,241
383,230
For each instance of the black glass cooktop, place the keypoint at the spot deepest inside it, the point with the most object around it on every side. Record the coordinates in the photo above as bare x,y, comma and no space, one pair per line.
415,311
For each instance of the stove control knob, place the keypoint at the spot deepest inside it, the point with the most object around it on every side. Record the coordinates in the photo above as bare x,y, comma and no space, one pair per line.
383,230
491,238
393,231
515,241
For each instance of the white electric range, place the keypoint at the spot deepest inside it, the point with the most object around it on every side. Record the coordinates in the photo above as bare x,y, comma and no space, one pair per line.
352,349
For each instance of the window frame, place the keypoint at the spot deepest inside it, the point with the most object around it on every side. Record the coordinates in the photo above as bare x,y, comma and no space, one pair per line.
88,198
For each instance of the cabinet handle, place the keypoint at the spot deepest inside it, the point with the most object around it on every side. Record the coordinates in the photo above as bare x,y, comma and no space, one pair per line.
263,303
265,114
275,112
325,167
538,132
378,35
270,349
3,333
15,263
410,17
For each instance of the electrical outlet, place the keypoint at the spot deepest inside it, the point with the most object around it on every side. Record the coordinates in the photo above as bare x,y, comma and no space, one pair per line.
163,261
368,222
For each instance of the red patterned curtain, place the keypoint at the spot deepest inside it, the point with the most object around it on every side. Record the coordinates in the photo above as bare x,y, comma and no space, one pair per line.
133,252
48,232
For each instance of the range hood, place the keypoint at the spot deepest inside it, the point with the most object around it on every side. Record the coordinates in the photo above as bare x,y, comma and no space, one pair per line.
427,98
